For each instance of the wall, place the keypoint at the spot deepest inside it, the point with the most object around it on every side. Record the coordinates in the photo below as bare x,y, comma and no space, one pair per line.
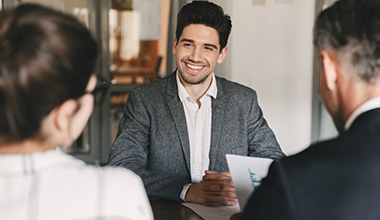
271,50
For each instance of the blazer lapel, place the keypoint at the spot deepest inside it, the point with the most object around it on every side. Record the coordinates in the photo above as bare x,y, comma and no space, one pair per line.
178,116
218,112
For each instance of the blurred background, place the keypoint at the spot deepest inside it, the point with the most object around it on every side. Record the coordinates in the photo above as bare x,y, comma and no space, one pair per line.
270,50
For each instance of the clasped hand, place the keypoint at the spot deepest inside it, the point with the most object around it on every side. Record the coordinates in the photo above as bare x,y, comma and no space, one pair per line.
215,189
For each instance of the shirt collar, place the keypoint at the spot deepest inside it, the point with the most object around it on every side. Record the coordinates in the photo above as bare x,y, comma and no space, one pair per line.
368,105
212,90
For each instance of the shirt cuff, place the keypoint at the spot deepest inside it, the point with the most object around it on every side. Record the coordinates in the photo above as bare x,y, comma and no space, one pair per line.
184,191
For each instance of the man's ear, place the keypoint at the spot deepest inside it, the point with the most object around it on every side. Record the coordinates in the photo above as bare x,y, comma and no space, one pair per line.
330,69
222,55
175,47
63,115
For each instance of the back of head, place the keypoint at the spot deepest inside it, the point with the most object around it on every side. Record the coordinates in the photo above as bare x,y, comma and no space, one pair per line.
46,58
208,14
351,28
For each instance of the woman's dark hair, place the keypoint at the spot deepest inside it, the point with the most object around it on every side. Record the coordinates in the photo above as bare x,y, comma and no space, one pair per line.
46,58
208,14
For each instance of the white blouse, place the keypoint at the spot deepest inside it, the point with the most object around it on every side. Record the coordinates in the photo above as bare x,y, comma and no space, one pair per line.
53,185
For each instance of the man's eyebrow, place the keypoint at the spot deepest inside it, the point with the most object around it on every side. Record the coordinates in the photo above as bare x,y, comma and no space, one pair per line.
192,41
212,45
186,40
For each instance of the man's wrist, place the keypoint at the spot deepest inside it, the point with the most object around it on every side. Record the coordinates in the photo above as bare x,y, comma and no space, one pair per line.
185,188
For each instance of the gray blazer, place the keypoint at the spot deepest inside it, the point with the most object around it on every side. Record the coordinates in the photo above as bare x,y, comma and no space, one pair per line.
153,140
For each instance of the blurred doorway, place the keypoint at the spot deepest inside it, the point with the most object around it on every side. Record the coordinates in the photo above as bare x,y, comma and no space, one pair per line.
322,125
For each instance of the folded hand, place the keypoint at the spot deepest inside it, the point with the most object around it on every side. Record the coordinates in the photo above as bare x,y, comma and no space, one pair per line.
215,189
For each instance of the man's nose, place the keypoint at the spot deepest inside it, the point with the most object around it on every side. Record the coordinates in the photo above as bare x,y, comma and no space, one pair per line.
196,55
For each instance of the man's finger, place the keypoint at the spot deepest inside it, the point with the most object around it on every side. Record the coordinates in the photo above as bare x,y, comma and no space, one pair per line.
216,176
228,195
218,186
219,200
226,182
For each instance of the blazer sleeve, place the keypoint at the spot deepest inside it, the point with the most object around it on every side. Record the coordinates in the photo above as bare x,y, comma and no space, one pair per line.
261,140
272,199
131,150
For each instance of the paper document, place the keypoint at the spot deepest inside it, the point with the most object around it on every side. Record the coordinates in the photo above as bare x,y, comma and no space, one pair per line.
213,212
246,173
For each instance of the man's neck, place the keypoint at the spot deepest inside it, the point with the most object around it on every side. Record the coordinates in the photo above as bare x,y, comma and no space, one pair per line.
196,91
354,100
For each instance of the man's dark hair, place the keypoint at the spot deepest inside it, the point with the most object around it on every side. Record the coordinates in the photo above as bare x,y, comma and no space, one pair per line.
208,14
351,28
46,58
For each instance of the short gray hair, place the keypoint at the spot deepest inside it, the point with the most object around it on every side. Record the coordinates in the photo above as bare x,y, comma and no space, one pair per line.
352,29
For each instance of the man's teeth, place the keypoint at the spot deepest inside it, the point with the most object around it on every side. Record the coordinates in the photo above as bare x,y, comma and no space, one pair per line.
194,67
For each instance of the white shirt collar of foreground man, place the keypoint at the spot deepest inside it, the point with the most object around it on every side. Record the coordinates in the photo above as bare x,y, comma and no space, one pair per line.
367,106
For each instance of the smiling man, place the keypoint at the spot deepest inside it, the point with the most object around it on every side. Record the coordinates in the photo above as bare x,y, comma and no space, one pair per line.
197,51
176,131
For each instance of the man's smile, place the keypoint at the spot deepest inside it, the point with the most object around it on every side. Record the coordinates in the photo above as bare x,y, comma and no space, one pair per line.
195,67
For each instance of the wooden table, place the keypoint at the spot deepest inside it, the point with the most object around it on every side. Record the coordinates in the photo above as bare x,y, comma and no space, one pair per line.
163,210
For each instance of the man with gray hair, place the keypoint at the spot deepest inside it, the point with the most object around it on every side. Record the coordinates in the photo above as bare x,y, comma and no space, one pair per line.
338,178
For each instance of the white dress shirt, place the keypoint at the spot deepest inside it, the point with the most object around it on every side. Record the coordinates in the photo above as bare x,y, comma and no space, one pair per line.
198,121
367,106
